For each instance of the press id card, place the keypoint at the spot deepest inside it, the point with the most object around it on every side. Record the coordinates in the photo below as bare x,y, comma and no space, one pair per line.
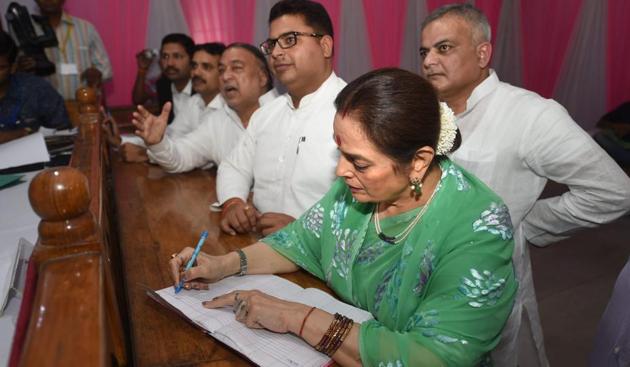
68,69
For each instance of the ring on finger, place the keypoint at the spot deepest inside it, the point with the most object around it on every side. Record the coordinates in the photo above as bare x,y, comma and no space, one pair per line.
173,255
242,306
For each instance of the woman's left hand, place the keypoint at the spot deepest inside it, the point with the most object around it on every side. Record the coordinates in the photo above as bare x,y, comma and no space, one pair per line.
259,310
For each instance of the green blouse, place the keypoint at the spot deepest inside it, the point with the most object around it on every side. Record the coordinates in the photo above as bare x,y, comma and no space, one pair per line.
440,297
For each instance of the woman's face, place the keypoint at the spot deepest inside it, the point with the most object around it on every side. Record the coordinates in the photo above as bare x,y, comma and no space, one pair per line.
368,172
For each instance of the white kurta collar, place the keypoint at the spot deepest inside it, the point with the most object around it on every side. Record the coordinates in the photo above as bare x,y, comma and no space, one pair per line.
310,99
481,91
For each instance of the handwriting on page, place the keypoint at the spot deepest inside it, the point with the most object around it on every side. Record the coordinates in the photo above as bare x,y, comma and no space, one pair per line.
263,347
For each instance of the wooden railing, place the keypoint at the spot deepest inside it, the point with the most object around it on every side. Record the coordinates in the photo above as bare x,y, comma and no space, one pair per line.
75,317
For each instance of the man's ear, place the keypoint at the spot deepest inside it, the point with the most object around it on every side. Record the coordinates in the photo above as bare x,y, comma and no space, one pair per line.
327,44
484,53
263,78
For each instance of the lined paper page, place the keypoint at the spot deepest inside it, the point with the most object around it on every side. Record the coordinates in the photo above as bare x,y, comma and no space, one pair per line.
263,347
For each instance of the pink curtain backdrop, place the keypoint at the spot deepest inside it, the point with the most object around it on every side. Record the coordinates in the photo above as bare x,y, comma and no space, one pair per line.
224,21
544,50
333,7
492,10
618,55
386,24
547,28
122,26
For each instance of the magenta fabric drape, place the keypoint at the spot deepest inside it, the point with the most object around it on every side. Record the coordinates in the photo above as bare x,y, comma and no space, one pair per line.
123,27
224,21
544,50
333,7
618,52
385,26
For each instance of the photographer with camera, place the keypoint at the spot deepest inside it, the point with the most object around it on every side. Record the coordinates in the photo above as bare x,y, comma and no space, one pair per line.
80,55
26,101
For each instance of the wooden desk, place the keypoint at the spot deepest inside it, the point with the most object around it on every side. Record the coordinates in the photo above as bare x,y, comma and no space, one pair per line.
158,214
106,235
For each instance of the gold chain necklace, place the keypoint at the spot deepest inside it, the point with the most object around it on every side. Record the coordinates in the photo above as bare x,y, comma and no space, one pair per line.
405,232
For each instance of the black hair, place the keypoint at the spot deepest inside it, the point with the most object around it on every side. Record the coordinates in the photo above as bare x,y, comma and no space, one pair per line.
262,60
182,39
314,14
8,47
398,111
212,48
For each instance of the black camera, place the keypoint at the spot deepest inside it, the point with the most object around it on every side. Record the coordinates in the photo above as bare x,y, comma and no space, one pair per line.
31,44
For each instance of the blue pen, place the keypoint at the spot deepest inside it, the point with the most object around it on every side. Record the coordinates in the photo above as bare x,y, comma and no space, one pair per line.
192,260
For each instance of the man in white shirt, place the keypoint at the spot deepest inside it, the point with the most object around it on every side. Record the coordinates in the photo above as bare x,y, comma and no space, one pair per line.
245,83
205,81
174,84
514,140
287,152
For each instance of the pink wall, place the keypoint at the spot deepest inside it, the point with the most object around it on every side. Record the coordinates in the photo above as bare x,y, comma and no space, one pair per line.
546,31
122,26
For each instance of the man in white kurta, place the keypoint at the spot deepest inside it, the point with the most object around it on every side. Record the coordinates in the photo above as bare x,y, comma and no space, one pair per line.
514,140
245,83
205,78
187,120
209,143
287,153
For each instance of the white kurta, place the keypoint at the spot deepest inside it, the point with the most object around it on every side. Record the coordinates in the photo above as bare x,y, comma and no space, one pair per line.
187,120
514,140
213,139
180,99
288,154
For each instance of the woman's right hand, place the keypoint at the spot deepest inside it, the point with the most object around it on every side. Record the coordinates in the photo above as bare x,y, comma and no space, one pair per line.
208,269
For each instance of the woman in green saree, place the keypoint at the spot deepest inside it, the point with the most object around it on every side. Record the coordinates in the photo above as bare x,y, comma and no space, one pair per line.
403,233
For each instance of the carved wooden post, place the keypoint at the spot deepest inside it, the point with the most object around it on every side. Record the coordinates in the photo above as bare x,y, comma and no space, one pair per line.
61,198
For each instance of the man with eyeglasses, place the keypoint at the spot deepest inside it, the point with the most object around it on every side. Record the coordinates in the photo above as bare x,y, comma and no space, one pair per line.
287,152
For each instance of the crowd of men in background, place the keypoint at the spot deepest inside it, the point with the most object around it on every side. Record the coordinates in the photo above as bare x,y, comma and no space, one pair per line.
215,105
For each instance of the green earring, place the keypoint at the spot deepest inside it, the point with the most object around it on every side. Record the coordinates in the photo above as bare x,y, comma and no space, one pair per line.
416,186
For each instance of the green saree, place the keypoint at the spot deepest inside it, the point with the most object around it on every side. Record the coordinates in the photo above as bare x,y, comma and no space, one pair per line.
440,297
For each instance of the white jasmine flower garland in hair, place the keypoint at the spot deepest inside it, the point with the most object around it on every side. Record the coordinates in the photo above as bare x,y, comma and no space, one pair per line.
448,130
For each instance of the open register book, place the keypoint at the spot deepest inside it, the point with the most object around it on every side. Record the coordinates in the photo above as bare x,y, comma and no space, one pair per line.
262,347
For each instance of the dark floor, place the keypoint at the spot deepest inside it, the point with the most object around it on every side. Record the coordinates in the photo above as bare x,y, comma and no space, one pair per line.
574,279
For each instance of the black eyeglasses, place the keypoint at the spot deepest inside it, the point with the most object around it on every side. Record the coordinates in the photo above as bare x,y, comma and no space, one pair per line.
286,40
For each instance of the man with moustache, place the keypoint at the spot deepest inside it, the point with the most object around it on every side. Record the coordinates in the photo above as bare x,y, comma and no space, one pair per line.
175,84
80,55
536,140
245,83
205,81
287,153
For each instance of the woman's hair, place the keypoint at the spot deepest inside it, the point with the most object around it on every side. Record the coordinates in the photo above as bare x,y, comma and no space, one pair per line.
398,111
